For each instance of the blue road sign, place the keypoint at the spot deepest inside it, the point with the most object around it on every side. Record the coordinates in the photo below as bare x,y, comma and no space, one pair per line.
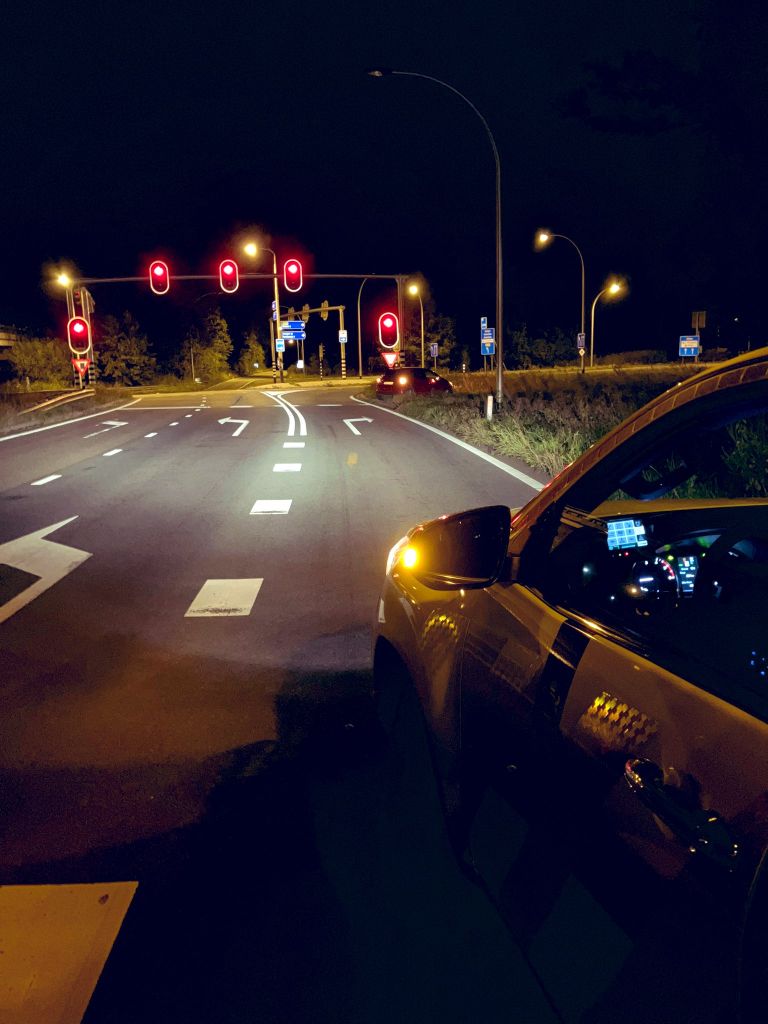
295,325
483,323
433,350
292,335
488,334
280,345
689,345
487,348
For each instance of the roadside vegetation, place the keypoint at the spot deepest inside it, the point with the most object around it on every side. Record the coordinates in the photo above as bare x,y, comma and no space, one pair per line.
549,417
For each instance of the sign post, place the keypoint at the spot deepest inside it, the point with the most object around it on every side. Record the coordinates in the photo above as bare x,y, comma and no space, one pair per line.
689,347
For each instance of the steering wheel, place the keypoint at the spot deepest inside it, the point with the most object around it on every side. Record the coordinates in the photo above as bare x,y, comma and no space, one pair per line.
713,564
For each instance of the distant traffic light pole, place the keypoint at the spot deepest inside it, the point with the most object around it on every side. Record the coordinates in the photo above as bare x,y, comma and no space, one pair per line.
381,73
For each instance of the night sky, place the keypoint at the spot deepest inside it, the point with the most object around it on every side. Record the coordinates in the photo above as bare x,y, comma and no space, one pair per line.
638,129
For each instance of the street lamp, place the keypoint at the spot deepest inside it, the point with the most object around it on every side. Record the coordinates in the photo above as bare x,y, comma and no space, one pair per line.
413,289
381,73
543,238
252,249
64,280
612,288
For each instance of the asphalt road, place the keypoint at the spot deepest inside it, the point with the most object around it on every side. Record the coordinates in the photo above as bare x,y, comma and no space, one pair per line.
185,612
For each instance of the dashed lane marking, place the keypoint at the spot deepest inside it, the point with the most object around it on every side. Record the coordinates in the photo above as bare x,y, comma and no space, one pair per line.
115,451
153,434
293,444
271,507
286,467
46,480
224,598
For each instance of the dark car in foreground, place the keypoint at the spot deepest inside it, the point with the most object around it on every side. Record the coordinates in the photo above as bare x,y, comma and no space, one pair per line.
417,379
590,674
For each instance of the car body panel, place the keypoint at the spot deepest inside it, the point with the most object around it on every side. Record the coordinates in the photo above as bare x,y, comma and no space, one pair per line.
582,703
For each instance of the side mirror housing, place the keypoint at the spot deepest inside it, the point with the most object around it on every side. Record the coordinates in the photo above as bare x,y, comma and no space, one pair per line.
466,550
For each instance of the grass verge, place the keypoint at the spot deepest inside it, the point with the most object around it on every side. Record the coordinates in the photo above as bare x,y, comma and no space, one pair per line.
548,418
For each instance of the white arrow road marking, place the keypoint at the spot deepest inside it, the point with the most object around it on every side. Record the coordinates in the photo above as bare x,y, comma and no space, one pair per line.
360,419
111,424
271,507
46,559
240,429
224,597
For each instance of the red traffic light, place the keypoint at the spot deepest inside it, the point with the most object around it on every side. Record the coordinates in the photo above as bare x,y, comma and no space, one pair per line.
229,276
389,330
159,278
79,335
293,275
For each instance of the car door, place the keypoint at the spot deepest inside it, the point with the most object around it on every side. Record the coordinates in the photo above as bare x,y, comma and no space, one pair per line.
654,757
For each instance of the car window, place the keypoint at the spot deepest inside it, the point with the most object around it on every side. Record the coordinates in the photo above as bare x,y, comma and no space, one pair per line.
675,560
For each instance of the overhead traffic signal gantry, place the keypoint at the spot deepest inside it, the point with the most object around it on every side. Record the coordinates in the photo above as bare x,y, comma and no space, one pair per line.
293,275
159,278
78,335
389,330
229,276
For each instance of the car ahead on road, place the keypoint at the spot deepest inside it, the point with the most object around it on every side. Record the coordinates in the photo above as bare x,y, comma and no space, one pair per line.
410,378
590,674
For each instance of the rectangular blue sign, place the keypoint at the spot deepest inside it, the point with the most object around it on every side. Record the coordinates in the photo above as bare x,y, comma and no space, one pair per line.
488,334
295,325
279,345
483,323
689,345
291,335
487,348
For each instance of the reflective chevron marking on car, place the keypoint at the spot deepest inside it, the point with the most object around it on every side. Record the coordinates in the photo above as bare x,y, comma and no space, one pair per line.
559,670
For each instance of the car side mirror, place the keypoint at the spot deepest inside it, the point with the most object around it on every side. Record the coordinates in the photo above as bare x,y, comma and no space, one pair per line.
467,550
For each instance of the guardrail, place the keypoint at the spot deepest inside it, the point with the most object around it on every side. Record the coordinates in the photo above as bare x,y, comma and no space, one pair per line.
59,400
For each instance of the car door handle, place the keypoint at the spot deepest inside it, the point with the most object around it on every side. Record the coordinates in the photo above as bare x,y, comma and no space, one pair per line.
701,830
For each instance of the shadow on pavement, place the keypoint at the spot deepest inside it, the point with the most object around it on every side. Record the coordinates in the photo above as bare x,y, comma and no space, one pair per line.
319,886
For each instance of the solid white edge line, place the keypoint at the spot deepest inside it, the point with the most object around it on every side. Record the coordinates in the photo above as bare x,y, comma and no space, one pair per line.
46,480
522,477
67,423
115,451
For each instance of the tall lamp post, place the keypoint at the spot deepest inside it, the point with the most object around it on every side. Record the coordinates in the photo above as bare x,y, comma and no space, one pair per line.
612,288
252,249
381,73
413,289
543,238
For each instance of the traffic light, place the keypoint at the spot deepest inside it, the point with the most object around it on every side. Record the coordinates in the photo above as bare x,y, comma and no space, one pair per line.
159,278
389,331
293,276
229,276
79,335
324,309
305,312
